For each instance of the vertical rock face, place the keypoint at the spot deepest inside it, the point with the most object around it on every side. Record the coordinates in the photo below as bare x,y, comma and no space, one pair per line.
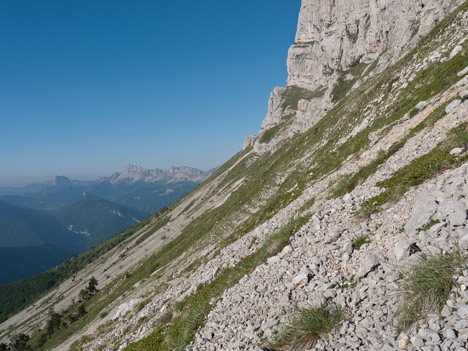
334,35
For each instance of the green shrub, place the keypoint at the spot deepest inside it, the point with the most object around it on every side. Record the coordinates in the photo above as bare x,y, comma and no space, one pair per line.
349,283
307,326
179,305
141,305
413,112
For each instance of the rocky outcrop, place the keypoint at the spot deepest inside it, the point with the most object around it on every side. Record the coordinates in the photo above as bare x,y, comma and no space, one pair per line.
336,35
333,37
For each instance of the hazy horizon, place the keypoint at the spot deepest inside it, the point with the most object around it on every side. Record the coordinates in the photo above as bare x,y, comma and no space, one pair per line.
88,87
80,176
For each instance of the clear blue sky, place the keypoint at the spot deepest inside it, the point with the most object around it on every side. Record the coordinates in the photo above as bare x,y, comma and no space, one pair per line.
87,87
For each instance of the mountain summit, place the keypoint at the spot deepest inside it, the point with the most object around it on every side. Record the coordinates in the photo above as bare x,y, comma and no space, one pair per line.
61,181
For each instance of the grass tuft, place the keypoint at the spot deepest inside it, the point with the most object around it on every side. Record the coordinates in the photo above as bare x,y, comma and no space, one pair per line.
308,325
362,240
428,225
426,287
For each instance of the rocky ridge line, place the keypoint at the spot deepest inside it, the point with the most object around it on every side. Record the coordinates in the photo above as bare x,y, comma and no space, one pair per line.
133,173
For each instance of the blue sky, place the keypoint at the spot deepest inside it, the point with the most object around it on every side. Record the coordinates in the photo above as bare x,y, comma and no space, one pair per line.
89,86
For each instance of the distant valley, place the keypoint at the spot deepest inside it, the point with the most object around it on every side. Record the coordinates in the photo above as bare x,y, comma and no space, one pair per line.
29,260
54,220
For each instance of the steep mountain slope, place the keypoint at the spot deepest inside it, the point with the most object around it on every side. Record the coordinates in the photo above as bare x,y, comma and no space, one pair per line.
336,44
344,189
27,227
96,219
22,262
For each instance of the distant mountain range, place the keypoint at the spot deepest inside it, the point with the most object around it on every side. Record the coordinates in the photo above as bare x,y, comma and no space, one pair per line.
134,174
73,215
135,187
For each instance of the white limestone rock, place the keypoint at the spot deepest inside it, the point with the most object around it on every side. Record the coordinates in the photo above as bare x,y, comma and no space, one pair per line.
367,265
452,105
421,105
463,72
457,218
125,307
424,208
249,141
456,151
335,35
456,50
401,250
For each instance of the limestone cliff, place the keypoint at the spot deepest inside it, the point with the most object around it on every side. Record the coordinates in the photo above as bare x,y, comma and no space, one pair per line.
333,36
336,42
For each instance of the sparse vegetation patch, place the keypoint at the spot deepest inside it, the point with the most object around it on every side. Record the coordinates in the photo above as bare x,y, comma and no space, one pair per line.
426,287
293,94
181,330
420,169
362,240
268,135
307,326
428,225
